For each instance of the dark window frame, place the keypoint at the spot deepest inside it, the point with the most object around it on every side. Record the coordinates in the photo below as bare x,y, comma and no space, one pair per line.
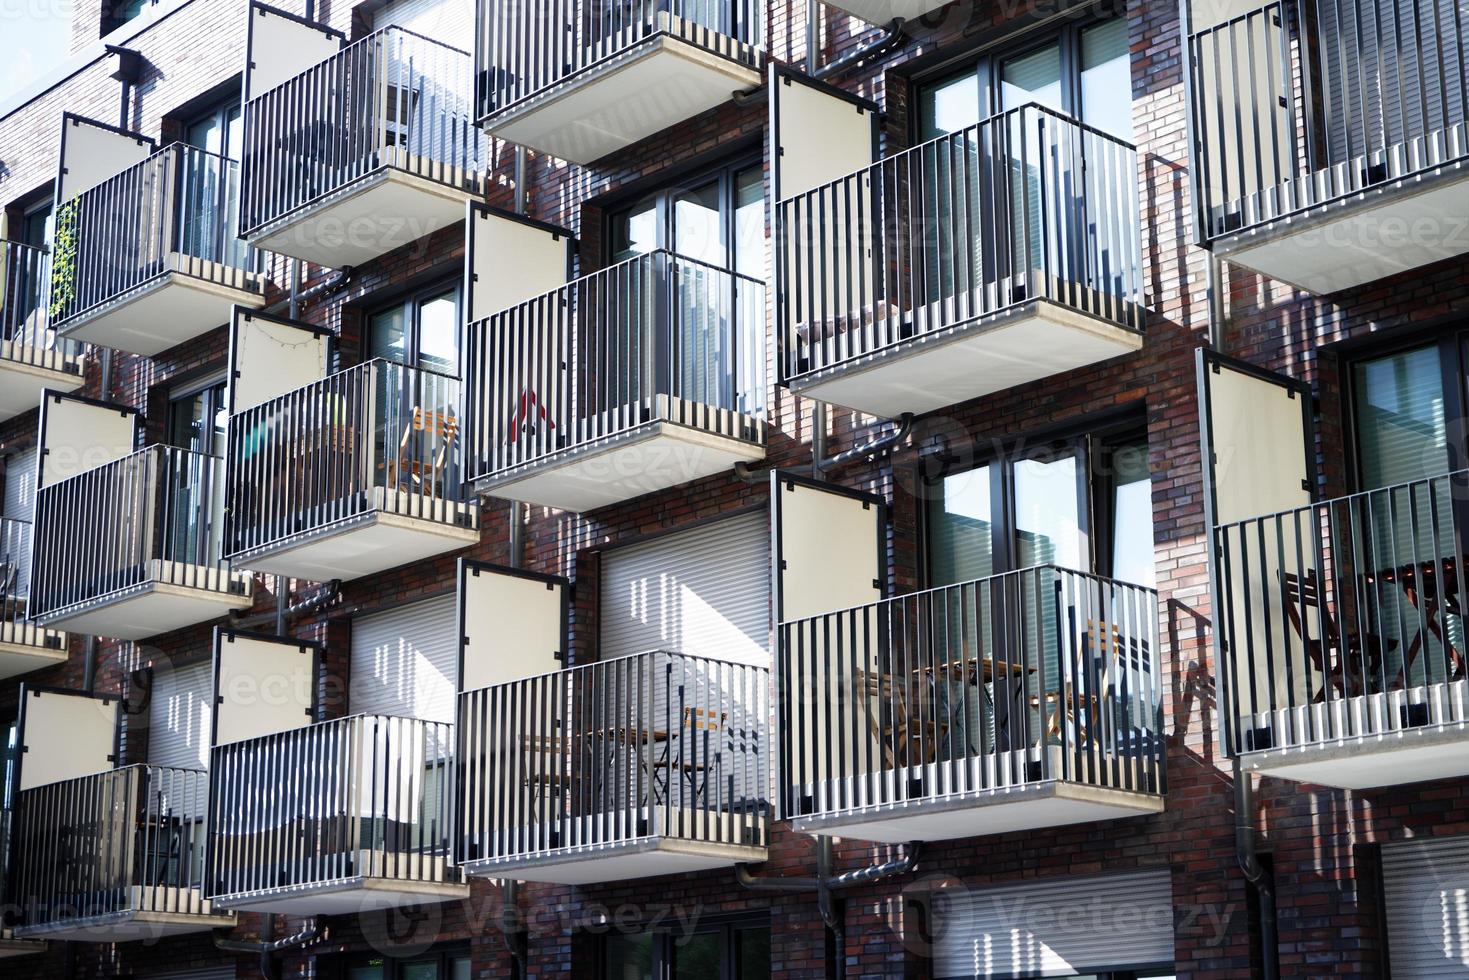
410,304
393,965
1088,439
663,194
665,943
215,390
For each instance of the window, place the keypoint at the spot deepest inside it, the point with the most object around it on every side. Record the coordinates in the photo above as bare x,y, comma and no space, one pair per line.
453,965
1083,503
718,218
35,224
737,951
421,331
1401,415
1079,72
198,418
198,421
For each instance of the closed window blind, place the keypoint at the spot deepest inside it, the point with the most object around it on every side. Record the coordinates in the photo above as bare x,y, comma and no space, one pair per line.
179,716
1426,890
405,661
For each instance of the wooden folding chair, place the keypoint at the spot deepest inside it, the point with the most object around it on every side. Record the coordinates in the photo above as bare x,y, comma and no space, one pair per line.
1337,657
427,427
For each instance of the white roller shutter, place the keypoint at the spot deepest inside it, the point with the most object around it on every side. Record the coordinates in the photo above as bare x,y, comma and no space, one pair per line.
20,505
704,591
1426,890
450,22
1055,928
179,716
405,662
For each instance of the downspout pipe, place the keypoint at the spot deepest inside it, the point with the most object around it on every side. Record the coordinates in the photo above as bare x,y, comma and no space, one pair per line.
509,925
334,283
823,463
896,33
912,851
326,594
1256,873
267,948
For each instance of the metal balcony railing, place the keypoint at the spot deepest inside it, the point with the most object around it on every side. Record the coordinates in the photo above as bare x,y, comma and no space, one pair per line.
531,46
152,516
650,745
377,437
1028,204
174,212
125,841
361,797
393,99
658,336
25,331
1344,618
1300,103
1029,676
15,569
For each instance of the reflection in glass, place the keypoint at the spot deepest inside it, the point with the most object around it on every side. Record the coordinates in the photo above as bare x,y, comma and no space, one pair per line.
960,528
1048,513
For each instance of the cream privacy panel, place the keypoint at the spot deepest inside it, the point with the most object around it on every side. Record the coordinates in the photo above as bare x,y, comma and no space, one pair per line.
65,735
78,435
511,260
92,152
281,47
270,356
513,625
262,686
828,549
820,135
1257,434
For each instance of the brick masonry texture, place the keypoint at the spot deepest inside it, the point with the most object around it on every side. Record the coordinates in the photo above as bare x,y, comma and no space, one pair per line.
1320,839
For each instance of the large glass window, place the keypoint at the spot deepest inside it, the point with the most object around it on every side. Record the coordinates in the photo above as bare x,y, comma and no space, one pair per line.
736,951
718,218
1400,417
421,331
452,965
1083,503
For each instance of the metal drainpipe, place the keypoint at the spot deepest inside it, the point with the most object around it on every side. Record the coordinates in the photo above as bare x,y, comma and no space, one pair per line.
1255,872
896,31
335,282
835,922
107,374
89,664
294,304
268,946
1215,293
905,425
280,605
818,440
811,37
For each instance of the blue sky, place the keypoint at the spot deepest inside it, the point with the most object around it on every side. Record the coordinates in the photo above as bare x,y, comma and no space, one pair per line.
39,32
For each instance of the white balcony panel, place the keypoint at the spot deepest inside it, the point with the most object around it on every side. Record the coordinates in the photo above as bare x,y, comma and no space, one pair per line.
26,371
351,896
25,647
653,457
369,216
190,299
658,84
1392,228
159,605
632,860
133,926
947,367
374,543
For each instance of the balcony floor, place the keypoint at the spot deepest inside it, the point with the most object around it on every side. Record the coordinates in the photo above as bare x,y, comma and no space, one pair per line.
191,299
647,857
346,896
882,12
364,546
371,216
26,371
129,926
658,84
654,456
25,647
158,606
1045,803
1397,226
1439,750
932,371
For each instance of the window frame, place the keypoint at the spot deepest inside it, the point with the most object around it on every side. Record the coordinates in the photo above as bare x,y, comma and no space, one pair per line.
1087,440
410,304
393,965
664,960
986,67
662,196
214,386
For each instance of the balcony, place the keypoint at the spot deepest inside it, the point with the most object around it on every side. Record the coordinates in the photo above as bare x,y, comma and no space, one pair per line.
368,150
113,857
148,258
1029,699
579,79
131,549
32,357
350,475
1341,631
994,256
640,377
1330,139
644,765
24,646
339,817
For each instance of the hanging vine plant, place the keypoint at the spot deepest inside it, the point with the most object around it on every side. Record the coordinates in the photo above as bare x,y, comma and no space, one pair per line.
64,251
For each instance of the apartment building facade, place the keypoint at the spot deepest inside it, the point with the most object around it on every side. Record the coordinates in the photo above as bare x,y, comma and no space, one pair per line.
472,507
